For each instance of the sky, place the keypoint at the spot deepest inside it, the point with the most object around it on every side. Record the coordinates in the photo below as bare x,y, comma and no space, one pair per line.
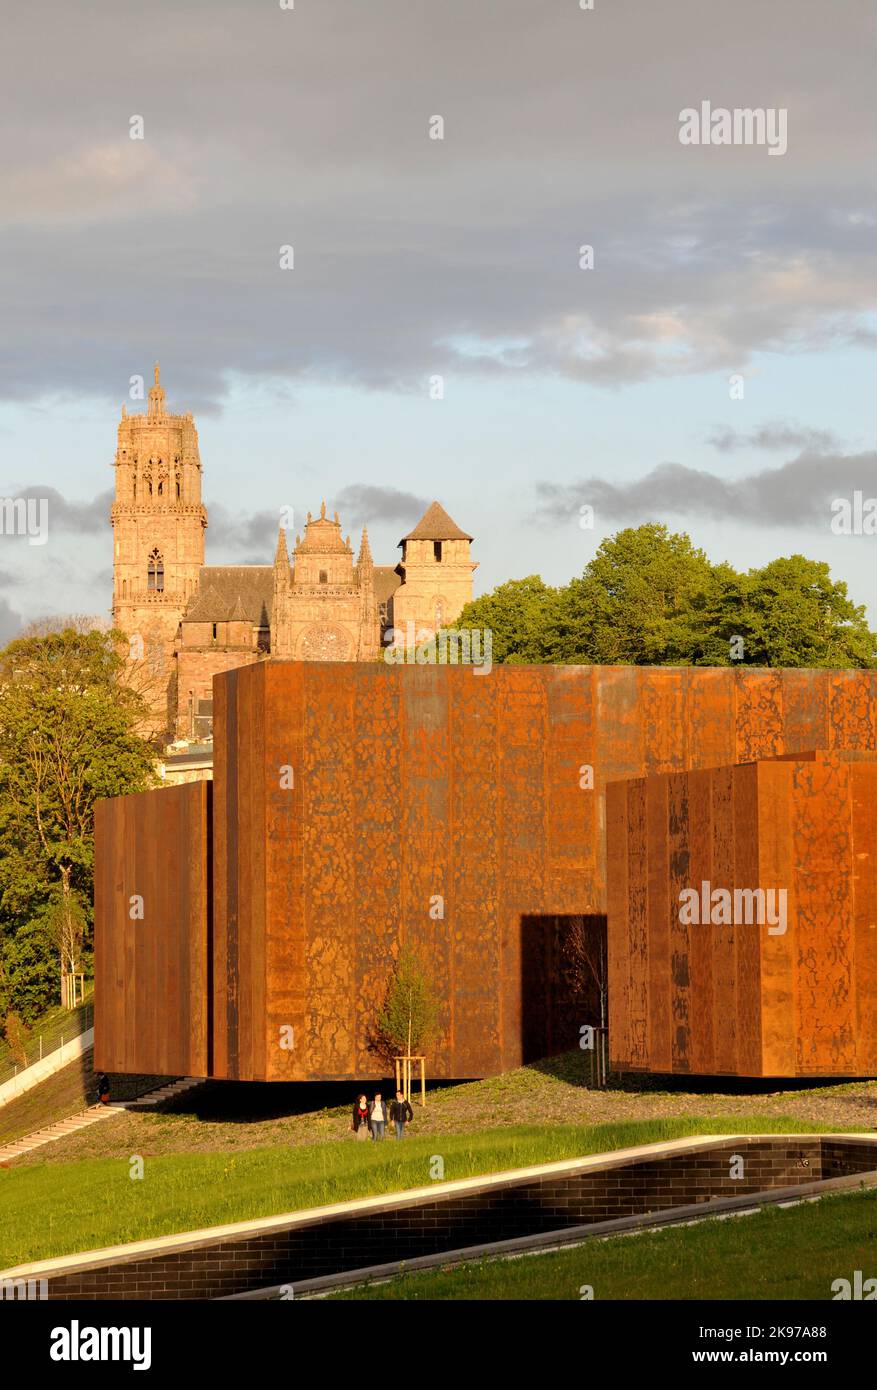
437,334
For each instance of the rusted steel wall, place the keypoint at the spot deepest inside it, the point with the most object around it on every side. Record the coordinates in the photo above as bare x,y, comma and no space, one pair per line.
350,800
433,788
152,984
357,806
744,1000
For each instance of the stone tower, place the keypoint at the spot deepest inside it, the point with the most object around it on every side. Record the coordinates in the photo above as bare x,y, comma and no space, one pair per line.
158,523
436,572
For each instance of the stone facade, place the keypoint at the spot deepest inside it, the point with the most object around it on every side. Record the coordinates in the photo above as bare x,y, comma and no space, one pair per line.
325,607
187,622
158,522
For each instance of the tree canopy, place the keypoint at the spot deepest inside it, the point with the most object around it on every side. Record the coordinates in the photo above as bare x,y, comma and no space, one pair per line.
408,1017
68,735
651,597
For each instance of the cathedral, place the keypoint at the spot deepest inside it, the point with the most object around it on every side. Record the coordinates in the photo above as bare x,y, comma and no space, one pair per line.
185,621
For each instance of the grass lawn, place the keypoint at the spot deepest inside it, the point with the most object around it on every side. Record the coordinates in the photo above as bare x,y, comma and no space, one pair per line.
794,1253
54,1209
223,1117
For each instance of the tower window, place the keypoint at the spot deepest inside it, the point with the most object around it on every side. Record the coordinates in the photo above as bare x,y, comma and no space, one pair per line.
178,492
437,551
324,577
155,572
214,632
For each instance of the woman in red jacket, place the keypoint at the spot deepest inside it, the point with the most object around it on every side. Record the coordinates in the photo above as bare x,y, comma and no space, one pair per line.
360,1125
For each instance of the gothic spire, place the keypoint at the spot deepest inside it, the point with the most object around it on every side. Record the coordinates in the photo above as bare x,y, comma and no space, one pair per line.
365,554
281,561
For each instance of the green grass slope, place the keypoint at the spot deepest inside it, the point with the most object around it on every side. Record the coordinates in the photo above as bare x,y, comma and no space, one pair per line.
54,1209
795,1253
65,1093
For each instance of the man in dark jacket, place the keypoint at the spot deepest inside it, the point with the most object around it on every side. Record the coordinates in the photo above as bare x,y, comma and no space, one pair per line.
400,1113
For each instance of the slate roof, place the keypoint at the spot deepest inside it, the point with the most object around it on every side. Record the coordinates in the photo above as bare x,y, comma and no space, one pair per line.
238,593
436,525
233,593
387,581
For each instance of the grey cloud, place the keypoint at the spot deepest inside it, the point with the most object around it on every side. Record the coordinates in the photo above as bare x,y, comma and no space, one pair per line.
798,493
367,503
233,532
63,514
10,622
777,434
309,127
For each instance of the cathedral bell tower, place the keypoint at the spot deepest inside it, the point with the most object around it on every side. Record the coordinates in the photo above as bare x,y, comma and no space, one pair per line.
158,522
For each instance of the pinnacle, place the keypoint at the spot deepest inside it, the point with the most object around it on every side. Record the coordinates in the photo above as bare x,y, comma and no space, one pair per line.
281,555
365,554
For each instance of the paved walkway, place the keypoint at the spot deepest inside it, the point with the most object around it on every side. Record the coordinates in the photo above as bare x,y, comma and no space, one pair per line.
92,1116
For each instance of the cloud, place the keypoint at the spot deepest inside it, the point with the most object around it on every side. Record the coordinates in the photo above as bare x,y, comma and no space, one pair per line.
61,513
235,532
413,257
96,183
251,538
10,622
367,503
798,493
777,434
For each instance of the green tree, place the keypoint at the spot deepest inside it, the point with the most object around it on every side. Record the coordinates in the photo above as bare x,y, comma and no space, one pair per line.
29,983
408,1018
17,1035
797,615
67,737
523,616
651,597
642,600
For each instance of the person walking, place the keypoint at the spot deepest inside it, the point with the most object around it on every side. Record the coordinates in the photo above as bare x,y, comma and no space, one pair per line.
361,1124
400,1113
377,1114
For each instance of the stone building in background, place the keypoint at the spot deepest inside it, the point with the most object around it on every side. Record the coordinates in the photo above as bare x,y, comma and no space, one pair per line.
187,621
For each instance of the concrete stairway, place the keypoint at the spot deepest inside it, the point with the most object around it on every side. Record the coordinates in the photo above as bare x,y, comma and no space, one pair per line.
158,1097
93,1115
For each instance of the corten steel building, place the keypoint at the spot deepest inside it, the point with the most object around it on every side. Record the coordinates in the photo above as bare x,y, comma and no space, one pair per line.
247,929
706,979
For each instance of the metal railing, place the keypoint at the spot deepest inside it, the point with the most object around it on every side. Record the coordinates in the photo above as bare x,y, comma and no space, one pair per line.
49,1039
